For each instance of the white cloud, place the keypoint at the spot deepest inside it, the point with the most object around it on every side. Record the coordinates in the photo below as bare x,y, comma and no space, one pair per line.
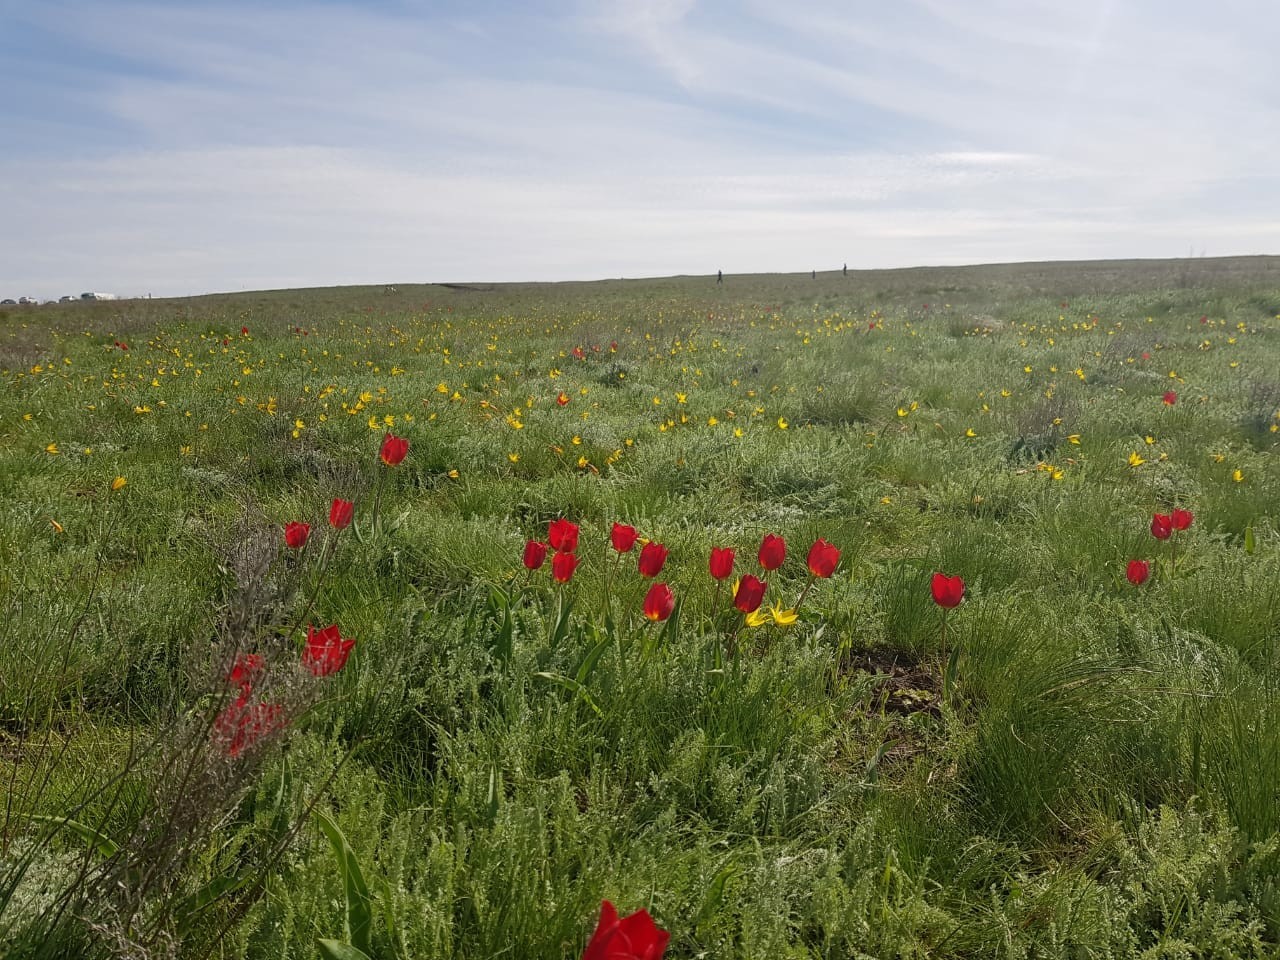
328,144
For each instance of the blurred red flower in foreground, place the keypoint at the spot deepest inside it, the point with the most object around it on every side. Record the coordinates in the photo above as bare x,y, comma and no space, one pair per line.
393,449
823,558
1161,526
1137,572
652,557
623,537
563,535
1169,398
562,566
241,725
721,562
659,602
635,937
326,651
535,554
947,591
748,593
340,513
246,667
773,550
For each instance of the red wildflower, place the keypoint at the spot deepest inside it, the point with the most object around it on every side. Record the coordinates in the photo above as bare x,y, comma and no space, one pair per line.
652,557
241,725
562,566
1169,398
635,937
1181,519
578,353
326,651
563,535
535,554
823,558
721,562
623,537
773,550
562,399
246,667
947,591
748,593
295,534
244,331
393,449
1161,526
659,602
1138,571
340,513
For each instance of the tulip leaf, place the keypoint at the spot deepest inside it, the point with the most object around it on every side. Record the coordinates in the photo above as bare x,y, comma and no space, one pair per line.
572,685
714,896
592,658
359,919
104,845
339,950
503,641
561,629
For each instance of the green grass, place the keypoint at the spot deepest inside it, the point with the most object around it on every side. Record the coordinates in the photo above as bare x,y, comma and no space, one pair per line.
1096,777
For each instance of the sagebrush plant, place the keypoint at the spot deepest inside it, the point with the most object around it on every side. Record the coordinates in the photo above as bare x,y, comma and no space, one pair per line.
823,756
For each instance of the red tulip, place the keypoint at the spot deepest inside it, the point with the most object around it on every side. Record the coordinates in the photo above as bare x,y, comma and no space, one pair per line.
652,557
1138,572
340,513
393,449
295,534
1181,519
635,937
659,602
326,651
623,537
562,566
246,667
773,550
562,399
1170,398
244,331
748,593
823,558
240,726
721,562
947,591
535,554
1161,526
563,535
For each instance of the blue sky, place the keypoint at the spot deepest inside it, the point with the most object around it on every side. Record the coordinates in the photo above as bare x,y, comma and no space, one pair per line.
185,147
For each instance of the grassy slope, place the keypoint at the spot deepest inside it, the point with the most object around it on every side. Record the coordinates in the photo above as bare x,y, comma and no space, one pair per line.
1100,782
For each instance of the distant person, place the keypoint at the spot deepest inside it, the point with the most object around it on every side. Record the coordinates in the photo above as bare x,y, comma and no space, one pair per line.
719,276
813,275
845,271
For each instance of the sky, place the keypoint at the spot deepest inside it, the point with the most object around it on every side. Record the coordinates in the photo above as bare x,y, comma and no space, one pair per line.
183,147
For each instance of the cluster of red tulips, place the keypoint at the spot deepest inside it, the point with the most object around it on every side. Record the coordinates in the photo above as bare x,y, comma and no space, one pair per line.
659,602
244,722
1163,527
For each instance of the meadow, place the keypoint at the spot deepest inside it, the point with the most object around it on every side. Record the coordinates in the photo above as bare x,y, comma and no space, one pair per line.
222,735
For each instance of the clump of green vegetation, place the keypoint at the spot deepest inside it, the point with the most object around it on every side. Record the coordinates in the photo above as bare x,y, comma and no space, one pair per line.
1078,759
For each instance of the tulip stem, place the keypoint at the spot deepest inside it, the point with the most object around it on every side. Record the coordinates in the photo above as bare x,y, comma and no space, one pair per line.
805,592
377,497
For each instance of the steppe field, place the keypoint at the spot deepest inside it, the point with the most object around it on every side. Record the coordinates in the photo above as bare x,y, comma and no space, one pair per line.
511,680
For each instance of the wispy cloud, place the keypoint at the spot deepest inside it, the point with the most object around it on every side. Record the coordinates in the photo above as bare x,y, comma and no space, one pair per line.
196,146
